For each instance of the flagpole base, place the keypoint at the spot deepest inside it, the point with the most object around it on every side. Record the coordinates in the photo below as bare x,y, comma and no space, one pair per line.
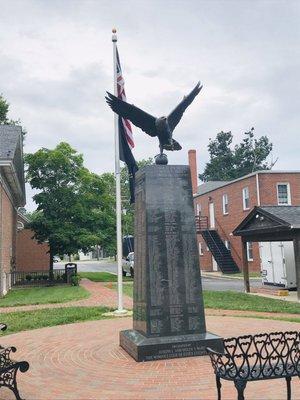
161,159
118,313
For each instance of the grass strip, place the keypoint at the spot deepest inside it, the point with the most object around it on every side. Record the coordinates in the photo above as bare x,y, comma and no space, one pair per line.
102,277
27,320
241,275
229,300
43,295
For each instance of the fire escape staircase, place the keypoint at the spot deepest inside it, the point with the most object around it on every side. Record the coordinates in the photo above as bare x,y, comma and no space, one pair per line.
216,246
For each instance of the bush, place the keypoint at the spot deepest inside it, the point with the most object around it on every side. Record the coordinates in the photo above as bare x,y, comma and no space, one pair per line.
75,280
28,278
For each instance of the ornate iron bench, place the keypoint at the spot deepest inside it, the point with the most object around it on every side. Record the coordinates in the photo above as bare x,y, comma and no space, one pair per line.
9,368
259,357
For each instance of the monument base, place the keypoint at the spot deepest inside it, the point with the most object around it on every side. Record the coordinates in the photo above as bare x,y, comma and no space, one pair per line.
143,348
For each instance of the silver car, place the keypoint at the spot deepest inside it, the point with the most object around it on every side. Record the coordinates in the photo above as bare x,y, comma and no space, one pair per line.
128,265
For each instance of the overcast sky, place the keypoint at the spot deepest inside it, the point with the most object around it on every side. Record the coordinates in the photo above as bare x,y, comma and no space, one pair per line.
56,64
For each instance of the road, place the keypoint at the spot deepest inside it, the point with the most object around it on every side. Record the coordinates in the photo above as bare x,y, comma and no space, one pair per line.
209,283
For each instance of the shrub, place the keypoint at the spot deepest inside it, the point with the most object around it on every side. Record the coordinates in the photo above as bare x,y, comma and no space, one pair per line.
75,280
28,278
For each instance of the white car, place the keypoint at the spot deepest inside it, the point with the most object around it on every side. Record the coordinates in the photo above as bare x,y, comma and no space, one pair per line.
128,265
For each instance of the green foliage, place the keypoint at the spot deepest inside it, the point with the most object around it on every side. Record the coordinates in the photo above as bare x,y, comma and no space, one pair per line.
128,209
226,163
75,280
75,208
43,295
4,109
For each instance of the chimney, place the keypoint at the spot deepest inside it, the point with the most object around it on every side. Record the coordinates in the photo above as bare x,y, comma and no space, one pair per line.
193,168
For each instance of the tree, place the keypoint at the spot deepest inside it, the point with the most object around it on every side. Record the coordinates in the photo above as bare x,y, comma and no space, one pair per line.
4,109
127,208
74,206
226,163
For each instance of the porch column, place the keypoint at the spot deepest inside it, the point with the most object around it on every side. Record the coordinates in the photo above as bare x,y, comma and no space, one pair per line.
245,265
297,262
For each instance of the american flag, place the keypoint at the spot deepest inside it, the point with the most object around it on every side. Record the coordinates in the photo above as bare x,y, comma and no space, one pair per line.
121,95
125,135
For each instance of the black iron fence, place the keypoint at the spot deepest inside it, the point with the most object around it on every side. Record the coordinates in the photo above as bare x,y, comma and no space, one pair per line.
38,278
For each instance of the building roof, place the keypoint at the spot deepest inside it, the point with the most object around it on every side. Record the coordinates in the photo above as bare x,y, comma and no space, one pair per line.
11,160
288,214
209,186
278,221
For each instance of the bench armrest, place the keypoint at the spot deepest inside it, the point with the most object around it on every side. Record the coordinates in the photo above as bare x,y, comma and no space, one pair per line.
6,351
214,352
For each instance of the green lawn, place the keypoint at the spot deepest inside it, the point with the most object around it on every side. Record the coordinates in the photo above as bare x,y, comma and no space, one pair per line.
102,277
229,300
27,320
241,275
43,295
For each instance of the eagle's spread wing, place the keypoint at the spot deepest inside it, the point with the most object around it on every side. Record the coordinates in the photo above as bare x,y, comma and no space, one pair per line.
175,116
137,116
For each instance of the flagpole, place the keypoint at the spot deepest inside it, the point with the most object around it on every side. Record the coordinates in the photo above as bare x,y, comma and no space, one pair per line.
120,309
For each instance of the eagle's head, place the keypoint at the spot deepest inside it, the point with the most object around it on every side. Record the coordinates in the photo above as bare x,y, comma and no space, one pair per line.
162,123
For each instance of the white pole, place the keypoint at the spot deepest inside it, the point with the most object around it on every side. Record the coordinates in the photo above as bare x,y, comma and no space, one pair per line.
120,309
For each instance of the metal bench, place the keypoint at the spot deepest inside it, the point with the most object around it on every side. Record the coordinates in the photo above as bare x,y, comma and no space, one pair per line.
9,368
259,357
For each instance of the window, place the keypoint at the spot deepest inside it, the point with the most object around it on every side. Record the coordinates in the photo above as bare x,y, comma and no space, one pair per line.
200,249
250,251
283,194
246,199
228,245
198,209
225,204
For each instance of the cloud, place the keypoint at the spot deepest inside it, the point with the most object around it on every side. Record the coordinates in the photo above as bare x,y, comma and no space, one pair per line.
56,64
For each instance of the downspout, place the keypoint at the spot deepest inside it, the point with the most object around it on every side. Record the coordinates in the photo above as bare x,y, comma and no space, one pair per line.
257,190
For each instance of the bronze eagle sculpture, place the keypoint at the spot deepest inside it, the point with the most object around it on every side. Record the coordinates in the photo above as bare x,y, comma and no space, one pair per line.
161,127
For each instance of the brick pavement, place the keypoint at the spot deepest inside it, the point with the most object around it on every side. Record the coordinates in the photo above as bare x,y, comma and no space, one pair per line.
84,362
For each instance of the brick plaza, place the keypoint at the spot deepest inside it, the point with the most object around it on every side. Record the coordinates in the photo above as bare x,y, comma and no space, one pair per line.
84,362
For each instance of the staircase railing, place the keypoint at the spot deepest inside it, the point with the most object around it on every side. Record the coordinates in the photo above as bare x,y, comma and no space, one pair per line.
233,249
201,222
216,245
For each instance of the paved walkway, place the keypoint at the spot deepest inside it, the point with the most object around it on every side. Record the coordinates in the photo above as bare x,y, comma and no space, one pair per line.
84,362
100,295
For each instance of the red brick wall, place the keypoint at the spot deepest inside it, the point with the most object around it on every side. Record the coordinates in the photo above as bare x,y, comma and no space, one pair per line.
30,255
225,224
268,188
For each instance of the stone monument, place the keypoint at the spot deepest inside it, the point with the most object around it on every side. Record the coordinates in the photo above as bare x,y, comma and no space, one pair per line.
168,311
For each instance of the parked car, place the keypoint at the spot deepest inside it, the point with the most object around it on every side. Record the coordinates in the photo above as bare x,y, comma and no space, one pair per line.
128,265
56,259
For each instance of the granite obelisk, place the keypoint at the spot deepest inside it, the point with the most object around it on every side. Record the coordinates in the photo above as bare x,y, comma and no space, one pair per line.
168,310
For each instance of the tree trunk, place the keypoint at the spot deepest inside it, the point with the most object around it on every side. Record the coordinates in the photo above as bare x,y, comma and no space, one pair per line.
51,275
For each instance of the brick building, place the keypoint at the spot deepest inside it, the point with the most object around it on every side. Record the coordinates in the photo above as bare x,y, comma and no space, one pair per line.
30,255
222,205
12,196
